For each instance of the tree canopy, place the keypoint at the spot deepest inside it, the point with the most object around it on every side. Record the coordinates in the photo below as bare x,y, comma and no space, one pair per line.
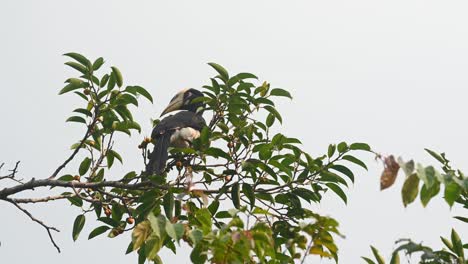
239,194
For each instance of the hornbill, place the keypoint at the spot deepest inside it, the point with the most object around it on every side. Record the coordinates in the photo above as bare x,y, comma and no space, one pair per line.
177,130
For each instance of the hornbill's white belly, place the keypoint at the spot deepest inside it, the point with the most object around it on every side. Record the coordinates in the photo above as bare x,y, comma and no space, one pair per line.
183,137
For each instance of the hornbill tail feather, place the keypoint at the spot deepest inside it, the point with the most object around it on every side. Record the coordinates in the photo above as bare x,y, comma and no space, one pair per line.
158,158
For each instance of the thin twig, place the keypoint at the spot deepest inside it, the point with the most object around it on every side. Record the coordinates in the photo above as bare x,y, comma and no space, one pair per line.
47,228
307,250
12,175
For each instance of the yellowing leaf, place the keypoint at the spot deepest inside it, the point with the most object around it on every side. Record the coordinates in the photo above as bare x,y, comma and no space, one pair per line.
410,189
140,234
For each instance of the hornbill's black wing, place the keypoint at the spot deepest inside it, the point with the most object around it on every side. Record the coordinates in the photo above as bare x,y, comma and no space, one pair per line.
165,133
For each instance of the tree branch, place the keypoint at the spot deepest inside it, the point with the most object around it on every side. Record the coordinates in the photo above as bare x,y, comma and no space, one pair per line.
12,174
33,183
48,228
42,199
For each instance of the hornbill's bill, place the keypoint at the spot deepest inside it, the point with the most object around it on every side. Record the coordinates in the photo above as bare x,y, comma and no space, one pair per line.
177,130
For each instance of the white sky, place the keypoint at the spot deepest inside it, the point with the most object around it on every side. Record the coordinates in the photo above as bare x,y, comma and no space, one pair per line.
390,73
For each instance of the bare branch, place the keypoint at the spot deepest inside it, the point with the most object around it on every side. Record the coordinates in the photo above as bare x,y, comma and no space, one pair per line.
48,228
12,174
42,199
33,183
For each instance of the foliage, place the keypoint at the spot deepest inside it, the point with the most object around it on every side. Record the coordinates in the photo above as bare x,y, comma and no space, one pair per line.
238,195
456,191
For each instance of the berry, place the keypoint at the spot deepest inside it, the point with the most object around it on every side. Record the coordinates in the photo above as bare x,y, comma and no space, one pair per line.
108,212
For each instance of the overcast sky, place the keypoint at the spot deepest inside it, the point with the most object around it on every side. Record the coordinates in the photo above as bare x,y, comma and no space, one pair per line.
390,73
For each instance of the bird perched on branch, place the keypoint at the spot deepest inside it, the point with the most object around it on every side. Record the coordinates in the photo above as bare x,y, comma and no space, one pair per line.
177,130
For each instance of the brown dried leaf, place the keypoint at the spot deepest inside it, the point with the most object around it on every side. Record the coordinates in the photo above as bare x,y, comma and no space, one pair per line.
390,172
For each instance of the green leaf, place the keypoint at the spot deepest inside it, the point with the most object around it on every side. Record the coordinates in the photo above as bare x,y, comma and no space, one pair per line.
104,80
235,195
274,112
427,193
248,191
140,90
410,189
170,230
354,160
77,67
79,58
246,75
447,243
305,194
342,147
368,260
395,258
360,146
98,231
111,82
270,120
217,152
336,189
84,166
435,155
78,226
118,76
204,218
98,63
280,92
223,214
213,207
116,155
71,87
76,201
127,99
158,224
66,177
457,244
205,136
328,176
195,236
180,230
168,204
222,72
452,192
77,119
83,111
461,218
378,257
331,150
109,221
344,170
198,256
110,159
